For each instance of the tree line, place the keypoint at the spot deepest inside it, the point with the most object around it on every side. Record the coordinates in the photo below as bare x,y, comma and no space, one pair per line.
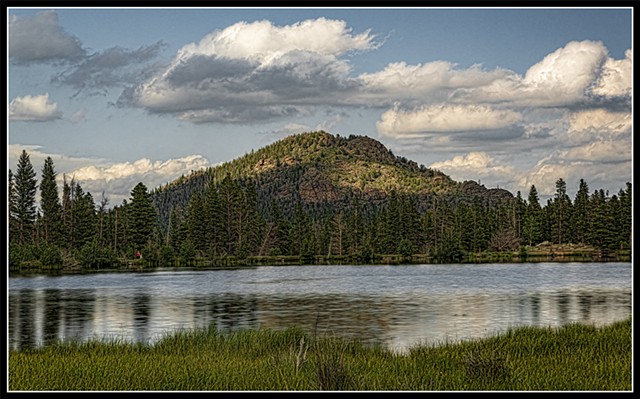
227,219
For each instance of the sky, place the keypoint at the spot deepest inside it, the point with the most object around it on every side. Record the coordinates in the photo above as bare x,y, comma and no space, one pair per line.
508,97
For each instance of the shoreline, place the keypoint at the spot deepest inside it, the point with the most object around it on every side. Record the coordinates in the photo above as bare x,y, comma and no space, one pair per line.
546,254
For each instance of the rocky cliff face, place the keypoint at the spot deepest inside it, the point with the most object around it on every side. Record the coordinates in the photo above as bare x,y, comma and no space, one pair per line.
471,187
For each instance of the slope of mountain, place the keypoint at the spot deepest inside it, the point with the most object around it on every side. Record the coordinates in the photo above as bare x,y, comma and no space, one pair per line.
320,169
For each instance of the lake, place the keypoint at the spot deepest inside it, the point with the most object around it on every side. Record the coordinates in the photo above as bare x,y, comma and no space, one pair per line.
395,306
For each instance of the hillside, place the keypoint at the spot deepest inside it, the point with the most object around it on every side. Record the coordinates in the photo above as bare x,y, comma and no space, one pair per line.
319,169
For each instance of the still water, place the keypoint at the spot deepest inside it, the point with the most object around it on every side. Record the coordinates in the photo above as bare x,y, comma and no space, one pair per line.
394,306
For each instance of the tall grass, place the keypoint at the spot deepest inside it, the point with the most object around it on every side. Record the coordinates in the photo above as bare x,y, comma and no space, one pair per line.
573,357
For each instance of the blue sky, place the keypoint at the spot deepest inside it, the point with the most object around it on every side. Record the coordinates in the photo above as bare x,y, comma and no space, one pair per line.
508,97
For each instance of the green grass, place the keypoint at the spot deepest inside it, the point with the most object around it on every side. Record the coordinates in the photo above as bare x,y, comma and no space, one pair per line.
573,357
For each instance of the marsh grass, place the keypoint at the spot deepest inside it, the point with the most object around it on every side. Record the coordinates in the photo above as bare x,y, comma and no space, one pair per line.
573,357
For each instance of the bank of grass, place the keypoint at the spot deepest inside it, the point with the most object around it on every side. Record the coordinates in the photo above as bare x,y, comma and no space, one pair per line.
573,357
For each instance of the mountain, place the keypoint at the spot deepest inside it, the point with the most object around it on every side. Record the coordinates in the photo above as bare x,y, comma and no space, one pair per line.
318,170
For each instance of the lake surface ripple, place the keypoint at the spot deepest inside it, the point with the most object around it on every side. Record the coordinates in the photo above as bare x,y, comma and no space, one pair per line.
394,306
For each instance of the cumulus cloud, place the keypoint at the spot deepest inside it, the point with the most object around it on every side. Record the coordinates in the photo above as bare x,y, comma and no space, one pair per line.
38,108
40,39
118,179
577,98
275,70
263,42
434,81
602,151
570,113
63,163
587,125
581,163
564,76
159,171
616,77
444,118
476,165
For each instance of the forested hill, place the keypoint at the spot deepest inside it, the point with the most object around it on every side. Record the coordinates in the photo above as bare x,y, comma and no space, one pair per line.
319,170
309,198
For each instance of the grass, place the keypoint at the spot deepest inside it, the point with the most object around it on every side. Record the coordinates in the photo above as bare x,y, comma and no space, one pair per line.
571,358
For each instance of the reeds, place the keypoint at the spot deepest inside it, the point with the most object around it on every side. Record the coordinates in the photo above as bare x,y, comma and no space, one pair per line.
573,357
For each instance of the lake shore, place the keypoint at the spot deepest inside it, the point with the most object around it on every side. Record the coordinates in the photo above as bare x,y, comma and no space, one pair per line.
575,357
544,252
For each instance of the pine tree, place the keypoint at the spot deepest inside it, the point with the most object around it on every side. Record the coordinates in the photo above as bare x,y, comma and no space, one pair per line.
465,219
214,224
560,213
24,210
121,242
533,218
250,222
67,211
337,234
600,234
614,222
580,216
301,235
229,205
102,211
391,225
196,223
625,216
355,228
142,216
50,204
520,211
177,231
12,201
281,228
409,222
84,217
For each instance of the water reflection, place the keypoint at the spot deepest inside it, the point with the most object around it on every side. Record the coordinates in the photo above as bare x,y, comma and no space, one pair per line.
390,317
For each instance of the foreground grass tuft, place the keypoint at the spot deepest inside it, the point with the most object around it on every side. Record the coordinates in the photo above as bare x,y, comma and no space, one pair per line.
573,357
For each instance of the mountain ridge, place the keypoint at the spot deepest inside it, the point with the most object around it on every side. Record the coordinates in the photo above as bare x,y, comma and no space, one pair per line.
321,169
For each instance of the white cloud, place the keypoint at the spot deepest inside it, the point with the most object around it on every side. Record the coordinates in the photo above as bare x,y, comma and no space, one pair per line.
40,39
476,165
37,108
602,151
564,76
255,71
116,180
141,167
263,42
571,75
444,118
434,81
616,77
569,113
593,124
601,163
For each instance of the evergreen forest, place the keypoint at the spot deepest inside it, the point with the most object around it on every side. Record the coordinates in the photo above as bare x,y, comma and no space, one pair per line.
309,198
